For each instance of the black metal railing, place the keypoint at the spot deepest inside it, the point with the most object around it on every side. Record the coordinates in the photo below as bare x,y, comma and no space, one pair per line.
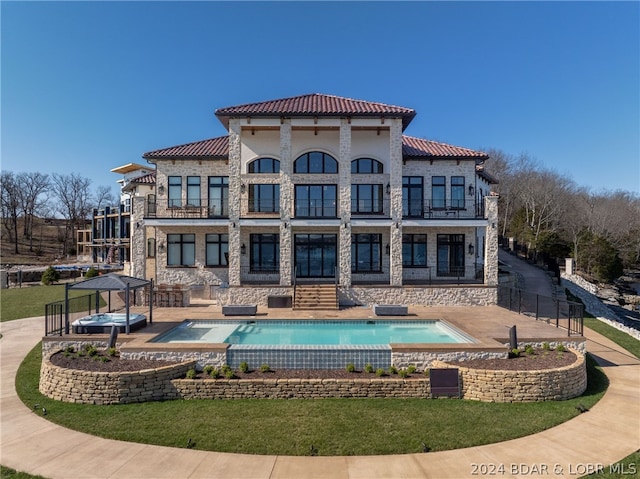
192,208
562,313
443,209
79,306
260,274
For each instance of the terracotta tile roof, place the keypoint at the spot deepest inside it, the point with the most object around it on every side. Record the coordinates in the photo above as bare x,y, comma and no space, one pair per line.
148,179
482,173
421,149
213,148
315,104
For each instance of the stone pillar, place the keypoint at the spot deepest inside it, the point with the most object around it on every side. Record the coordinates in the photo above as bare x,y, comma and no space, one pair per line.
235,199
395,180
137,253
491,241
344,208
569,266
286,204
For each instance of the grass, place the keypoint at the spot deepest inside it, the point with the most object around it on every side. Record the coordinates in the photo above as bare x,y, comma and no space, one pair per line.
290,427
8,473
29,301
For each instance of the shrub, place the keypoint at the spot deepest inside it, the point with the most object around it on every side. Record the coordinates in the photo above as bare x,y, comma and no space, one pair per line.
426,372
90,349
515,353
368,368
393,370
244,367
191,373
265,368
207,369
69,349
529,349
411,369
546,346
103,359
214,373
560,348
403,373
225,369
91,273
351,368
229,374
380,372
50,276
111,352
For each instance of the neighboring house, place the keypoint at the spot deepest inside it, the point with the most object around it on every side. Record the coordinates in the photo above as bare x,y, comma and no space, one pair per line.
111,225
320,189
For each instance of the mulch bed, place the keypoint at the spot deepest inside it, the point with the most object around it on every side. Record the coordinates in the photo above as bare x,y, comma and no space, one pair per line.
541,359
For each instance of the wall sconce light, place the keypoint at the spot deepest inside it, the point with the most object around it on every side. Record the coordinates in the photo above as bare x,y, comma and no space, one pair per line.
233,224
161,247
286,225
471,190
243,188
388,249
243,249
471,249
161,189
397,224
493,225
346,224
137,224
388,188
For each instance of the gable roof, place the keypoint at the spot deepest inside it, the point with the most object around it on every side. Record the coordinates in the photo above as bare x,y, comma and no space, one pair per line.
218,148
111,282
315,104
421,149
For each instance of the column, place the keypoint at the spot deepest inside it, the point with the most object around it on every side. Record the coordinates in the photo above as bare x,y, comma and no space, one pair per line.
235,198
395,180
344,207
286,203
491,241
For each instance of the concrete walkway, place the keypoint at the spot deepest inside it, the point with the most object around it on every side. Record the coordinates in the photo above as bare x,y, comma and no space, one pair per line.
607,433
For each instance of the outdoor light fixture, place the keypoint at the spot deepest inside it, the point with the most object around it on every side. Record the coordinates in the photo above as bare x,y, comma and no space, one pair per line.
286,225
471,248
161,189
243,249
471,190
161,247
388,188
397,224
243,187
388,249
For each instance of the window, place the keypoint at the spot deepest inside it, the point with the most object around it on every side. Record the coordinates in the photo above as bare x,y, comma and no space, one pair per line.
414,251
175,191
366,165
457,192
217,250
265,253
315,162
366,199
264,165
450,255
264,198
218,196
181,250
151,205
314,201
366,256
193,191
412,196
438,192
151,248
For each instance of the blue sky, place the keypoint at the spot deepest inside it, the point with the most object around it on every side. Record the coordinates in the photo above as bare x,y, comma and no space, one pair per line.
89,86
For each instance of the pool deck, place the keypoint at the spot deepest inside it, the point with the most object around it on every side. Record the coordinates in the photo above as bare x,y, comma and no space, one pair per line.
607,433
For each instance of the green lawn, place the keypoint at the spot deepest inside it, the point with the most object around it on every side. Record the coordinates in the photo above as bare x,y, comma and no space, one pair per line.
290,427
29,301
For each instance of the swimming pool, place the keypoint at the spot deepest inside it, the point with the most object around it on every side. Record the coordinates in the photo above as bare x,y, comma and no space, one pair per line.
305,333
308,344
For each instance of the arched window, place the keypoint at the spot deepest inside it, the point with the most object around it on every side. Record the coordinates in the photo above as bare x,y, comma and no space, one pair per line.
315,162
366,165
264,165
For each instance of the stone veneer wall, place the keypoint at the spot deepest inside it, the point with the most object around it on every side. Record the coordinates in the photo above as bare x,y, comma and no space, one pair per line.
87,387
165,383
523,386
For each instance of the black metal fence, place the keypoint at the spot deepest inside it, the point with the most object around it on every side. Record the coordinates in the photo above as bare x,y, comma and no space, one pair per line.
559,312
79,306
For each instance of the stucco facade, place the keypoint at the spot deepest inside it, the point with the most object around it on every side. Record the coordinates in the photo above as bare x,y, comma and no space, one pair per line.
319,189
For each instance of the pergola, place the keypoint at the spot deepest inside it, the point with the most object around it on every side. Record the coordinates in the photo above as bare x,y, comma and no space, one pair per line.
110,282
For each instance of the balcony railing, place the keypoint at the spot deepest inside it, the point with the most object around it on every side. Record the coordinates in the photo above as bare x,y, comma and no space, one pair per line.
198,208
260,274
442,209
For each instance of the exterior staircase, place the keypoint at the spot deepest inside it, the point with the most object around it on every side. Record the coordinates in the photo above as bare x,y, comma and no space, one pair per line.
316,296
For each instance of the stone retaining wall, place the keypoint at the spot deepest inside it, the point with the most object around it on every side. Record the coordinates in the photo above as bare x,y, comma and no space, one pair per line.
87,387
167,383
523,386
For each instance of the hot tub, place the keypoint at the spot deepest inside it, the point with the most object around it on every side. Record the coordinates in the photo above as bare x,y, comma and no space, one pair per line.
102,322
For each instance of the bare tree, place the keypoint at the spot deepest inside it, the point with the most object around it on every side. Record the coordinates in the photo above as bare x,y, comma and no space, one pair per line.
74,202
32,187
104,197
10,204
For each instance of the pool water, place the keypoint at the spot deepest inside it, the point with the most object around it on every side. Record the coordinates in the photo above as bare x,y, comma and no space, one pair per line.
314,332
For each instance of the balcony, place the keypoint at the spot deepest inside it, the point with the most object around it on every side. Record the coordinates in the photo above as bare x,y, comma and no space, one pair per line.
198,209
441,209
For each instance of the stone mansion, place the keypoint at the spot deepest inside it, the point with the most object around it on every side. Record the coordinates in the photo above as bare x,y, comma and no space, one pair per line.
319,190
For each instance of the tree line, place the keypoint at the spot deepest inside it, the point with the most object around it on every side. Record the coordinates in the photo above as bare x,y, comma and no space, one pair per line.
29,195
556,218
